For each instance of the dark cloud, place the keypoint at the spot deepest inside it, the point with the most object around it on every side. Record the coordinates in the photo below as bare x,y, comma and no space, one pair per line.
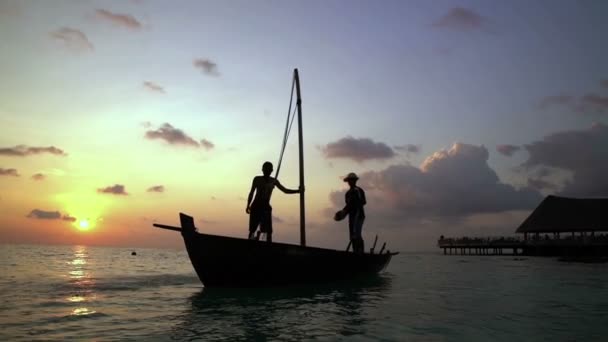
124,20
540,184
459,18
207,66
68,218
507,150
206,144
556,100
357,149
116,189
581,152
175,136
171,135
9,172
38,176
594,103
408,148
156,188
22,151
449,184
72,39
154,87
49,215
44,215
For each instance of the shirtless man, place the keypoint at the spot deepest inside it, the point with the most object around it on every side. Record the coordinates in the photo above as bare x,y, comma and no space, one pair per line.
260,211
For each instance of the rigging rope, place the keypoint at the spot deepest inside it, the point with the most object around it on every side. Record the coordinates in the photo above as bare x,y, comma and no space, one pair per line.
288,125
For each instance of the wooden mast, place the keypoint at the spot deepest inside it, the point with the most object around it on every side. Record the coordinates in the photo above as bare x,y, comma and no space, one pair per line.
301,154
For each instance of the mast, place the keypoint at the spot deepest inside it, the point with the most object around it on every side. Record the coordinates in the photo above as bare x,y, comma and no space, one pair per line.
301,154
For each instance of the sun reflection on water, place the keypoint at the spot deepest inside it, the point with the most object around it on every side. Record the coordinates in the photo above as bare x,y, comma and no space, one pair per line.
81,281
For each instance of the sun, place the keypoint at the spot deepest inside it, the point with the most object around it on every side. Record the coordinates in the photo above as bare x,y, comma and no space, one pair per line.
83,225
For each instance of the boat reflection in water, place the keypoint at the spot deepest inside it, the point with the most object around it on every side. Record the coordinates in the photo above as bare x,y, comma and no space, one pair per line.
291,313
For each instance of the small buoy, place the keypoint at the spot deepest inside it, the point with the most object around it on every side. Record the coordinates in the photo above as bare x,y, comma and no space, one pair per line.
133,253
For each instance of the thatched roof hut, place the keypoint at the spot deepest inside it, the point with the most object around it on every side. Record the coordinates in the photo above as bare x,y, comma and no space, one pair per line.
561,214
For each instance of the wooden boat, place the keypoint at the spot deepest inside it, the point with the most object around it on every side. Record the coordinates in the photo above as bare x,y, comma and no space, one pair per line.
222,261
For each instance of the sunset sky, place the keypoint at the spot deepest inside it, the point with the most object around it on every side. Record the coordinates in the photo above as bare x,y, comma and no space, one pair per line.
458,116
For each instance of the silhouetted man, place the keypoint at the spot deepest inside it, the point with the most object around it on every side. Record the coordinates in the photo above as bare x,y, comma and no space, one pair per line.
260,211
355,200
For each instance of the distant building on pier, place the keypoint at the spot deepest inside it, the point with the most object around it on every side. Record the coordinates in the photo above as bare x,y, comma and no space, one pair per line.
561,215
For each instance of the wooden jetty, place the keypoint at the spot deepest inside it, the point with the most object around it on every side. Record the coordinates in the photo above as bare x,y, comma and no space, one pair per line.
559,226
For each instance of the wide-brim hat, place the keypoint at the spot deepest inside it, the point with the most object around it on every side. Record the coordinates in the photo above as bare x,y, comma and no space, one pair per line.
350,176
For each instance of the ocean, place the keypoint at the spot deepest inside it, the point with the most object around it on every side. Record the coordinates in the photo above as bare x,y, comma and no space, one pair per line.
106,294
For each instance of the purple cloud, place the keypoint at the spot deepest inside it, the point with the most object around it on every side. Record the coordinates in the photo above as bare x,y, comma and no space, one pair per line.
581,152
156,188
175,136
556,100
357,149
207,66
72,39
124,20
408,148
459,18
9,172
154,87
507,150
116,189
38,177
457,182
206,144
22,151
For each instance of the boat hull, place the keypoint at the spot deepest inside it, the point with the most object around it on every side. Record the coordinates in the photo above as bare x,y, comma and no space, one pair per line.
221,261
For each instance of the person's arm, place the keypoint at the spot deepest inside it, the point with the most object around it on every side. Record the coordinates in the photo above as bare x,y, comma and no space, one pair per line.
250,197
363,200
284,189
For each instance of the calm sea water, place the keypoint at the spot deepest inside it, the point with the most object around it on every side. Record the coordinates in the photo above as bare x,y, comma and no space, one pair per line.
105,294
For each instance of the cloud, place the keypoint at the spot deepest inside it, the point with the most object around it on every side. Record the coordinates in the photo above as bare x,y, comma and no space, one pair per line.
604,83
459,18
507,150
38,176
207,66
154,87
175,136
595,103
556,100
206,144
44,215
539,184
49,215
408,148
22,151
357,149
452,183
156,188
124,20
9,172
72,39
116,189
581,152
68,218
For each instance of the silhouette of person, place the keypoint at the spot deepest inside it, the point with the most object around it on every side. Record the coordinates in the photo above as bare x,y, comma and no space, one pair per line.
260,211
355,200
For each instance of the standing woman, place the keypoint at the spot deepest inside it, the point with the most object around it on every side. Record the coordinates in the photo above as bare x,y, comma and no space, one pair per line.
355,200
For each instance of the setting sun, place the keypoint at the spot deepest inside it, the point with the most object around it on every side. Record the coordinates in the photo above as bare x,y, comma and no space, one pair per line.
83,225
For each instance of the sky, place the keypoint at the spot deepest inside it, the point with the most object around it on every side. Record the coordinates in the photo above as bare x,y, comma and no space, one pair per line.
458,116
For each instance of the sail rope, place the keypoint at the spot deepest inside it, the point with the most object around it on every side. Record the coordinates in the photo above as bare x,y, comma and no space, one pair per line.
288,124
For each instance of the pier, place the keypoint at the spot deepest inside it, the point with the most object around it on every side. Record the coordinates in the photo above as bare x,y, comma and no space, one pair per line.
559,226
596,245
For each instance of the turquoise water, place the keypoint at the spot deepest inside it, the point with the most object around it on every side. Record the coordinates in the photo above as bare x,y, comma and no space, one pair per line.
105,294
